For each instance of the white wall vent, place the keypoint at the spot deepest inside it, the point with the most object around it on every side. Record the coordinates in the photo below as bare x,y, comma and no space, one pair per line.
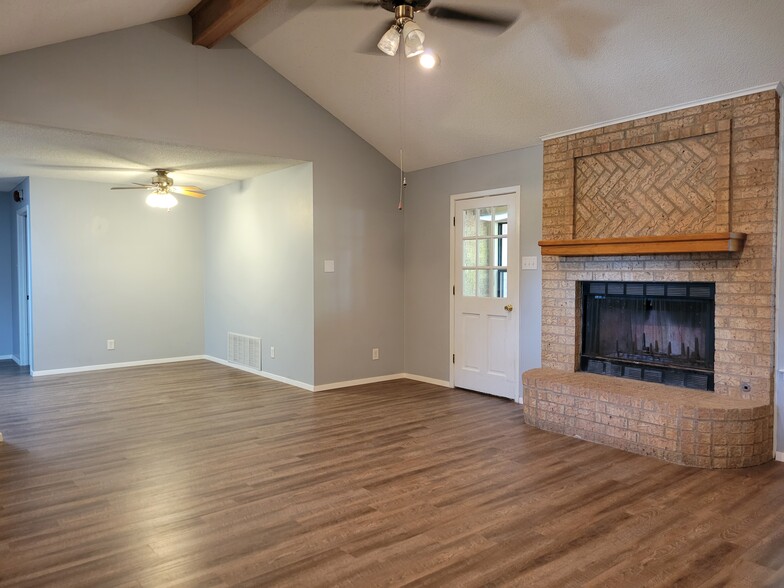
244,350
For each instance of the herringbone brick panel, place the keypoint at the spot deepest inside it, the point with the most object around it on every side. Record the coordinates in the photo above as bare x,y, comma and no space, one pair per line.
660,189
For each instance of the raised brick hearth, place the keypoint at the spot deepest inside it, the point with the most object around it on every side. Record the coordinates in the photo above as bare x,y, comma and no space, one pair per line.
676,424
711,168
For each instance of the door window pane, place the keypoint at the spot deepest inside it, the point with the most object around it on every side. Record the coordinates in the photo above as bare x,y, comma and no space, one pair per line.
501,287
484,253
469,223
469,253
485,225
484,284
469,282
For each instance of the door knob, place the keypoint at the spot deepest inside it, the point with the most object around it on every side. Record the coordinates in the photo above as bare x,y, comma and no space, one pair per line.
508,308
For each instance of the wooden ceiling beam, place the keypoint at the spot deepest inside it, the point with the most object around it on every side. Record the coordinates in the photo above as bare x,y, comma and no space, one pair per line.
213,20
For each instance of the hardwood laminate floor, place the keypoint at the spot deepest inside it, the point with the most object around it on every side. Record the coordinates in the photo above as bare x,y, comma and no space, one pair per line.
194,474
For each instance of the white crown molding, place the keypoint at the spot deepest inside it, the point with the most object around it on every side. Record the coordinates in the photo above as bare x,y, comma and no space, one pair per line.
778,86
112,366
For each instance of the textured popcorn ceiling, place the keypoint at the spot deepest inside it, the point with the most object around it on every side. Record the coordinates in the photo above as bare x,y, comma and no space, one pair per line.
564,64
28,150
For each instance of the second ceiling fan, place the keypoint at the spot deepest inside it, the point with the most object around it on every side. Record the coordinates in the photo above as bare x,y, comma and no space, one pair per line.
162,190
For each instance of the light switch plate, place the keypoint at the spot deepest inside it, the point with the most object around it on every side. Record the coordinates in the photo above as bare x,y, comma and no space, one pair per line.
329,266
528,262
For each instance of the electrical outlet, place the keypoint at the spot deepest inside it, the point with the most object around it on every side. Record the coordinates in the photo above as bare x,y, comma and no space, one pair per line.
272,352
110,344
376,353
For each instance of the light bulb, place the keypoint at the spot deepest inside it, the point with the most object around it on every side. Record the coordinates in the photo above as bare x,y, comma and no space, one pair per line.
390,41
429,60
413,39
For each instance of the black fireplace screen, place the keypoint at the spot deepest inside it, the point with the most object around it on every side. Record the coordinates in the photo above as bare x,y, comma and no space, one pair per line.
658,332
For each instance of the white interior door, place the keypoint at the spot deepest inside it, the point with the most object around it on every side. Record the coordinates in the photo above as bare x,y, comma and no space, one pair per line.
486,279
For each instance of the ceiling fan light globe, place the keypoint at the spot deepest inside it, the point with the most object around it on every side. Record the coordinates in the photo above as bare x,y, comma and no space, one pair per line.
390,41
413,39
161,200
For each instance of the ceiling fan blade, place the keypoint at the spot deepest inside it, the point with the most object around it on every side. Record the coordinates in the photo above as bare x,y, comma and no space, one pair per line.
191,188
186,192
500,20
370,45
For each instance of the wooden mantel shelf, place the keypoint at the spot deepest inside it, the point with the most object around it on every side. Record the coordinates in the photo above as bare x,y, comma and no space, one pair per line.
694,243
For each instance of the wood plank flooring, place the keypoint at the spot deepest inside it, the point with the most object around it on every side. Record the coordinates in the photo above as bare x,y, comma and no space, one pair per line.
194,474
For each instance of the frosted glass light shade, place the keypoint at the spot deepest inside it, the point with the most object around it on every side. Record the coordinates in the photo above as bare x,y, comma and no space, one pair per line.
413,39
390,42
161,200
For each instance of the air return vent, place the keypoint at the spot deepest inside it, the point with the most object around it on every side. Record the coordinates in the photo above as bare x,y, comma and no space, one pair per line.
244,350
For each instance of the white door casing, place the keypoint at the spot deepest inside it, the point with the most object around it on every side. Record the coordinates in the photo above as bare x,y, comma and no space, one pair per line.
485,275
23,284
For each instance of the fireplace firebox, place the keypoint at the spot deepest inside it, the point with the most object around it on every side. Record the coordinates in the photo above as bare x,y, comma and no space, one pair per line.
655,332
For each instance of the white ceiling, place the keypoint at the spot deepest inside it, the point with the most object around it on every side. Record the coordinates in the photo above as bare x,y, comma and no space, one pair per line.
564,64
26,24
28,150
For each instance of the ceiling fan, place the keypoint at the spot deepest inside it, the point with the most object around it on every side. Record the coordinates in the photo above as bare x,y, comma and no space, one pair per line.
161,187
412,35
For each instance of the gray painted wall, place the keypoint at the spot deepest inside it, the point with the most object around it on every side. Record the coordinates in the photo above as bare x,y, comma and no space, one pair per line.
24,187
7,268
149,82
427,244
258,277
107,266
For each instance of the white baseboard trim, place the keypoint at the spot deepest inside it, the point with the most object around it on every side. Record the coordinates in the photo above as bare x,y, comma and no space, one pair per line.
16,359
4,357
262,373
427,380
363,381
780,456
325,387
112,366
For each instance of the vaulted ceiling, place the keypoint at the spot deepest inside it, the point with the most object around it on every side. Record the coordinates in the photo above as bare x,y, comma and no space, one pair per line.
564,64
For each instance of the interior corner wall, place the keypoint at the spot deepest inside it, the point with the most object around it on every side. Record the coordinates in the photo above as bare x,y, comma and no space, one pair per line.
107,266
7,269
427,247
227,98
258,277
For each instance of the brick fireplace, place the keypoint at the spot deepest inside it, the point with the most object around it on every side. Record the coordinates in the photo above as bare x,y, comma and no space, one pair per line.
690,185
